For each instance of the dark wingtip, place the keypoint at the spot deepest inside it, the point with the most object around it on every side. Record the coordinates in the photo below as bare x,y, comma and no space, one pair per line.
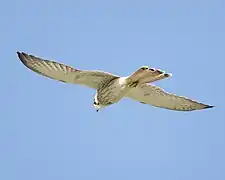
21,53
18,54
207,107
22,57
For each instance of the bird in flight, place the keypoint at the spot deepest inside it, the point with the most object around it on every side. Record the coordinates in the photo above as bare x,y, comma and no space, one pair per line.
111,88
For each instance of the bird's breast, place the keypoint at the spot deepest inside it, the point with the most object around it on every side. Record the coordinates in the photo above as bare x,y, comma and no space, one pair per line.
112,92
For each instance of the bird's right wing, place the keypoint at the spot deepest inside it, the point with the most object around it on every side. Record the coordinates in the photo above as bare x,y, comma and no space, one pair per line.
150,94
63,72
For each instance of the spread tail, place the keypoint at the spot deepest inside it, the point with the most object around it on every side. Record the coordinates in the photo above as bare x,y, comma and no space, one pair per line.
147,75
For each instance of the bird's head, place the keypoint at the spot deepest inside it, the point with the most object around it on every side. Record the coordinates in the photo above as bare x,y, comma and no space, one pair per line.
96,104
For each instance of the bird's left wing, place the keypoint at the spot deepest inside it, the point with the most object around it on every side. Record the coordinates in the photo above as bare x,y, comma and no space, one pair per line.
151,94
64,73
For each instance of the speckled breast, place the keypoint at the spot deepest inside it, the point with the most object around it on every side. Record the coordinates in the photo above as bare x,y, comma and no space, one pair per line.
112,91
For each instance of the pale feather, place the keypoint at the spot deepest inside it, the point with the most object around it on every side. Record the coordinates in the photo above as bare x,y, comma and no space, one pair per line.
65,73
156,96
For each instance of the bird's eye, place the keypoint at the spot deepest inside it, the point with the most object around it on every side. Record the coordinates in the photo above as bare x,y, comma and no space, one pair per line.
95,103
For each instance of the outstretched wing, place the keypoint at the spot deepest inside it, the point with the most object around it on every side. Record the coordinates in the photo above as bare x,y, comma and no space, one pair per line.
63,72
150,94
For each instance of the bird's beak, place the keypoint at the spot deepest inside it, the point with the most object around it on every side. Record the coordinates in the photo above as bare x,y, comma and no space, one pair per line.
97,110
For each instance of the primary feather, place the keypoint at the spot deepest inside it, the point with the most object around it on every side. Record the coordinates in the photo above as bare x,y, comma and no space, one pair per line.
64,73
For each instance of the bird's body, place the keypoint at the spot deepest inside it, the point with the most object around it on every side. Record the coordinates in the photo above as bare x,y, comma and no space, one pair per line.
111,88
111,91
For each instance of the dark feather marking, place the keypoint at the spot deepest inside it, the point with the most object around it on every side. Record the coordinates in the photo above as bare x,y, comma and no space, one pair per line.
143,102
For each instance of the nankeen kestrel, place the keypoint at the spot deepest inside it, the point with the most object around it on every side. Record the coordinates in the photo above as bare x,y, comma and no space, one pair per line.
112,88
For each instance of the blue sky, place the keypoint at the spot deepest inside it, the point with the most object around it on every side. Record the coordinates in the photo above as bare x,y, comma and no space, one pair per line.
49,130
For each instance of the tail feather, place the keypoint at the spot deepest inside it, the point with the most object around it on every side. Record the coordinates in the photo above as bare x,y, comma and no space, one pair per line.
139,74
148,75
149,78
